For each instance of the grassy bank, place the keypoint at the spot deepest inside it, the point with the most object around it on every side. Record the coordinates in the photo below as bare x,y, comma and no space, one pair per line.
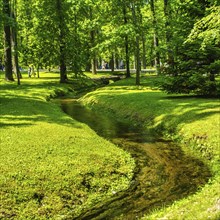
191,121
51,166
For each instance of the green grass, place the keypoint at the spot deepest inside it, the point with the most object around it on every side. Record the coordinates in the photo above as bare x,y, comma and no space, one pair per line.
193,122
52,166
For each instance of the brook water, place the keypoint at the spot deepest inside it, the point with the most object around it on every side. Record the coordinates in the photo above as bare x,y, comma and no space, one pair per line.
163,172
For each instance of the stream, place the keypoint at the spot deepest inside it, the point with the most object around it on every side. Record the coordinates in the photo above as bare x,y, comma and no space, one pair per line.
164,173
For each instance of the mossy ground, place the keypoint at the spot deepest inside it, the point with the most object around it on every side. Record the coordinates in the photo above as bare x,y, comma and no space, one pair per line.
52,166
193,122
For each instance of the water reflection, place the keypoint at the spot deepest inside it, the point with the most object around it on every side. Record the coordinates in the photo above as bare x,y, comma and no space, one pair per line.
164,173
105,126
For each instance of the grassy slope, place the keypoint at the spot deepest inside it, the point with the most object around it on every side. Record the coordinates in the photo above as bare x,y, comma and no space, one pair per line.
195,122
50,165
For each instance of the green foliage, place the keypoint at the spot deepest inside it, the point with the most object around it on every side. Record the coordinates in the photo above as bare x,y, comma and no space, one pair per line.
191,82
215,67
52,166
110,22
208,28
199,61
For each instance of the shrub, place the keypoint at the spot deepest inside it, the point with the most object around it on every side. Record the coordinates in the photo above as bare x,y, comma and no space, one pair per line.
190,82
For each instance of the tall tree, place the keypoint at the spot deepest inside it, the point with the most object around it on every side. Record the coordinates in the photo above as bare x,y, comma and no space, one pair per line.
168,34
7,41
1,34
62,40
25,23
135,8
156,37
75,51
116,32
14,41
206,32
127,55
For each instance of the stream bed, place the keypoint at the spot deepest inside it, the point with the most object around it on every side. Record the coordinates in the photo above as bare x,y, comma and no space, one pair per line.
164,173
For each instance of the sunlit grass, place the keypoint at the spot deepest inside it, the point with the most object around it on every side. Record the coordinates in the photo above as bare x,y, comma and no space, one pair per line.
104,73
51,165
191,121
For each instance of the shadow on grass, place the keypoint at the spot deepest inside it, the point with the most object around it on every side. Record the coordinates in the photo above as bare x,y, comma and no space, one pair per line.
26,112
149,106
186,108
2,125
28,107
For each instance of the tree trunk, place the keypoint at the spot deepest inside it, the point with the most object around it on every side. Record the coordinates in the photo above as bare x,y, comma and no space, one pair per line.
135,10
127,57
88,61
167,14
144,53
63,75
156,39
134,63
138,61
157,57
7,42
112,63
116,62
94,62
14,43
92,39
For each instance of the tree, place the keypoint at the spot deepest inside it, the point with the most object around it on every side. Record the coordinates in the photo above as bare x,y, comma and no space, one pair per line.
127,55
114,44
1,35
75,51
7,41
156,36
206,31
199,58
70,34
62,40
168,34
136,22
14,41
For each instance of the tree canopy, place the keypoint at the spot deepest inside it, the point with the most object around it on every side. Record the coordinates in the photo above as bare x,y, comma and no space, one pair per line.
177,38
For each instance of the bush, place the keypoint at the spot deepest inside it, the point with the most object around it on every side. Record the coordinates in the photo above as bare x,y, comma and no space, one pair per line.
190,82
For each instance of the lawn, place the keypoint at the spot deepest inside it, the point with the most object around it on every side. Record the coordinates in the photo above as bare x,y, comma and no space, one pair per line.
51,166
191,121
55,167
